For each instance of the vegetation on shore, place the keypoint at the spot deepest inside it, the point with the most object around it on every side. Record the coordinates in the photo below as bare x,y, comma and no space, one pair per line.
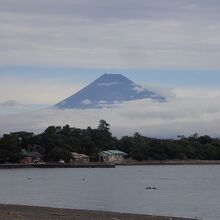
58,142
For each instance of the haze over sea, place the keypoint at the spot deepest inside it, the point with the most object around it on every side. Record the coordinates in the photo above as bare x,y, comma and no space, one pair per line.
185,191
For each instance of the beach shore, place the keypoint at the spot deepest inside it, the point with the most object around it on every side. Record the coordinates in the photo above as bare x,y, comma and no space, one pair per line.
18,212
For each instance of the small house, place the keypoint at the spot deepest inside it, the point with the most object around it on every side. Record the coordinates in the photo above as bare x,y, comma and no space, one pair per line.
75,157
31,157
112,156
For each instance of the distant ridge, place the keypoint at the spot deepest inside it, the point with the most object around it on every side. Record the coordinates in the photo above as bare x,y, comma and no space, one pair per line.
107,90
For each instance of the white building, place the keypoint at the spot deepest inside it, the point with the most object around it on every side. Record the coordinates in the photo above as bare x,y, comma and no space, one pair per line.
75,157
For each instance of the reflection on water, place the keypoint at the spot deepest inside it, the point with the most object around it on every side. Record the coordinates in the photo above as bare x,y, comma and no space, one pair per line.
187,191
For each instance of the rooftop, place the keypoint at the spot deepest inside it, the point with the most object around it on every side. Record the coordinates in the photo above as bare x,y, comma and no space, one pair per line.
110,152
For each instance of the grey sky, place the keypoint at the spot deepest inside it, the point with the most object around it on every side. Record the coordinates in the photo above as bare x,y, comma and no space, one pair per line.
138,35
170,34
116,9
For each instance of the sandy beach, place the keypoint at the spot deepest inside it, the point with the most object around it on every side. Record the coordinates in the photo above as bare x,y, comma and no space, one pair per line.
17,212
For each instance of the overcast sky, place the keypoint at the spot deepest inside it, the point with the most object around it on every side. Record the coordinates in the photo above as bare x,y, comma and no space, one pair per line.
179,34
52,48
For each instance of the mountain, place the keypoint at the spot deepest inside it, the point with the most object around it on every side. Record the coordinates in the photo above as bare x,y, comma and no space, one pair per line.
107,90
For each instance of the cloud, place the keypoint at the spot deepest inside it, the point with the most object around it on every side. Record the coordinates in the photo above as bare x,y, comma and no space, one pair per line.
9,107
9,103
164,91
179,116
138,88
30,90
171,34
108,84
86,102
116,34
114,9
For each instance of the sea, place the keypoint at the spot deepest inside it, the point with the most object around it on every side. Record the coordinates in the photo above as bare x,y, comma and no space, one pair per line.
179,190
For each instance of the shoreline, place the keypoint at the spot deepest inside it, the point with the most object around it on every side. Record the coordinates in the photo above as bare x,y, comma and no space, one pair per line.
111,165
169,162
21,212
56,165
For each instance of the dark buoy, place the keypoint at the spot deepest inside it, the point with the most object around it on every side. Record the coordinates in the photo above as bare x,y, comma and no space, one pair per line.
150,188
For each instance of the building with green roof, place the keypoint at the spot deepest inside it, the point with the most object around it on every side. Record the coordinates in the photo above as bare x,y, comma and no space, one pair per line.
112,156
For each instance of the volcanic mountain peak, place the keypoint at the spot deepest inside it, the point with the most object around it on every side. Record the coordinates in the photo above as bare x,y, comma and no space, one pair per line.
107,90
108,77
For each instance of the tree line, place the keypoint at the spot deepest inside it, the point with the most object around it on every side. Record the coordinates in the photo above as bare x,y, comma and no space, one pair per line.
57,143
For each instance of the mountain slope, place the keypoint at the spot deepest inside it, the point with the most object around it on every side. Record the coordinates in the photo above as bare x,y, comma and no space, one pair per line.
107,90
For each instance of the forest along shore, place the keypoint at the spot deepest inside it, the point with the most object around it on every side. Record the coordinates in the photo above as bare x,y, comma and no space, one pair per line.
16,212
63,143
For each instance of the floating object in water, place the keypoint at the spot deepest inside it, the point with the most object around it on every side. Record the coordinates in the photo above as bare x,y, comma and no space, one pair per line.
150,188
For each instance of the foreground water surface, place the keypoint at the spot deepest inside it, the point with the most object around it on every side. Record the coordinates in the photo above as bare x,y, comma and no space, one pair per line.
186,191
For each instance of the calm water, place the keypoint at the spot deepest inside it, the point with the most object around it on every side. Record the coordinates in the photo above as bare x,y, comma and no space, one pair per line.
187,191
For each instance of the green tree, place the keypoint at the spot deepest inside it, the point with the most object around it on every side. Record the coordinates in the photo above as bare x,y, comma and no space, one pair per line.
10,149
103,126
